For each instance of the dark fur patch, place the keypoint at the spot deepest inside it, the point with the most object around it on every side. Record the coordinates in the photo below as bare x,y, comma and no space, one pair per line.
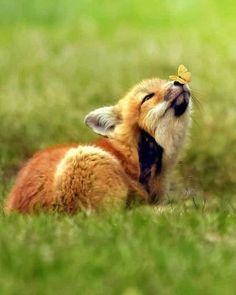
150,155
179,109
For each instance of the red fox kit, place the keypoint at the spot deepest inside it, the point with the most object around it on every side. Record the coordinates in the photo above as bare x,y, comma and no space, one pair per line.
142,136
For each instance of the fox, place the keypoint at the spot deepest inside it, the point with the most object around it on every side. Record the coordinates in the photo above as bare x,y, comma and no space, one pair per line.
141,137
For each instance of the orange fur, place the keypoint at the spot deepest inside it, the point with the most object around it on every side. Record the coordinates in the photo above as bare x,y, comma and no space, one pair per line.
34,184
78,177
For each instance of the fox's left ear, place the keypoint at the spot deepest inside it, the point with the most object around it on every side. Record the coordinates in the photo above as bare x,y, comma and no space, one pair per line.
103,120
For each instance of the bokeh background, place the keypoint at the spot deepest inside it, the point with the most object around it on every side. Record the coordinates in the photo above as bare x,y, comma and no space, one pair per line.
60,59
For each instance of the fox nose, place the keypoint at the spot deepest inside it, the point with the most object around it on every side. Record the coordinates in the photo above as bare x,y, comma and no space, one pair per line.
183,87
174,89
176,83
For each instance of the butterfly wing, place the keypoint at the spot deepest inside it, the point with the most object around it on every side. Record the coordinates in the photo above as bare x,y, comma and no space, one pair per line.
183,76
173,77
186,76
182,70
179,79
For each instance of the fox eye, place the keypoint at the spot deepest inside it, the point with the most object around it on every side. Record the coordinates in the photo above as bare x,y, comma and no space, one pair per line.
147,97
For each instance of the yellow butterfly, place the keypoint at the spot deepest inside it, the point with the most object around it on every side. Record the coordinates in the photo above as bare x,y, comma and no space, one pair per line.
183,76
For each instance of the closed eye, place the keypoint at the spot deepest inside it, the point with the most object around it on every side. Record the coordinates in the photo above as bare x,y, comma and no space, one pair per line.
147,97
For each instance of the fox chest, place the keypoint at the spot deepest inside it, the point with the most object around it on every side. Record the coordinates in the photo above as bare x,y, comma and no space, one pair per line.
150,161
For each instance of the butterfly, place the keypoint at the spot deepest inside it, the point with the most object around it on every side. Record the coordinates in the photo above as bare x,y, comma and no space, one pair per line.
183,76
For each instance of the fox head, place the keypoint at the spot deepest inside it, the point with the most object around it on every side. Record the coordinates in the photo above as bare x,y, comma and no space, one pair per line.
160,108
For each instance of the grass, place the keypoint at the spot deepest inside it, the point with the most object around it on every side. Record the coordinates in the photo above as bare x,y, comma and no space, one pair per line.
139,252
61,59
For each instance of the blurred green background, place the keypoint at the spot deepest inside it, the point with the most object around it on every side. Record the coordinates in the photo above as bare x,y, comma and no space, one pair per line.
61,59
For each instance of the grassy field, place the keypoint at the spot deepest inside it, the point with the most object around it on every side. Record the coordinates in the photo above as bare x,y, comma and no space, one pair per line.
60,59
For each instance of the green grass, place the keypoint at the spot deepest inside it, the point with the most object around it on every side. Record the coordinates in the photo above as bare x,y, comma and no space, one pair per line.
138,252
61,59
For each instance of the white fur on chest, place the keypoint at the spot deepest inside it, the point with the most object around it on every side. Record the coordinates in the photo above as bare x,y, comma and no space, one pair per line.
170,134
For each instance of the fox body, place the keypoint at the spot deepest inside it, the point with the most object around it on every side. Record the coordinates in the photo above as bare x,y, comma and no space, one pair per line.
142,136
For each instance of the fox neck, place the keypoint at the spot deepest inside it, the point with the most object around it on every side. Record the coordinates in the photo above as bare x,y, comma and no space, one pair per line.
140,156
126,142
170,133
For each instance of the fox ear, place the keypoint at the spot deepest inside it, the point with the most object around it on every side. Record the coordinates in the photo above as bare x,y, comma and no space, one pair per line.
103,120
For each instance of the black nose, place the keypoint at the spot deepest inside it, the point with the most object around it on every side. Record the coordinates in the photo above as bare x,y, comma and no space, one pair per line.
176,83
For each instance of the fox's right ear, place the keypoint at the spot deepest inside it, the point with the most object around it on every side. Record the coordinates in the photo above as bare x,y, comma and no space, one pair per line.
103,120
